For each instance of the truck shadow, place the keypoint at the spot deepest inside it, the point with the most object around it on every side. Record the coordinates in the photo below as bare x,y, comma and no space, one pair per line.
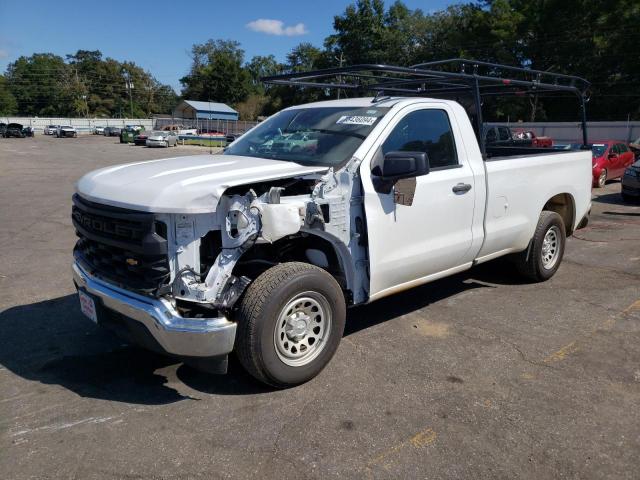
52,343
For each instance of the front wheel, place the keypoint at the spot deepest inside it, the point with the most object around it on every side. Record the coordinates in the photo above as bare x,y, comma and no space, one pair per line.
290,322
544,255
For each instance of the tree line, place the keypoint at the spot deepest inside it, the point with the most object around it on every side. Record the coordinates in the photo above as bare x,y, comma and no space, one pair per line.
594,39
82,84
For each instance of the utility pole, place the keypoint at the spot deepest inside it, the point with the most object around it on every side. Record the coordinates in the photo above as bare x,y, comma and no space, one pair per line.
341,59
209,129
129,85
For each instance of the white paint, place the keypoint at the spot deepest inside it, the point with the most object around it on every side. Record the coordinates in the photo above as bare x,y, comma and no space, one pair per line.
191,184
279,220
62,426
443,233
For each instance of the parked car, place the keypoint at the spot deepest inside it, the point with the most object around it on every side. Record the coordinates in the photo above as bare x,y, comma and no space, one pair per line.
232,260
50,129
128,134
529,138
99,130
208,132
112,131
162,139
498,136
610,159
230,138
141,139
66,131
14,130
180,130
635,148
631,182
3,128
28,131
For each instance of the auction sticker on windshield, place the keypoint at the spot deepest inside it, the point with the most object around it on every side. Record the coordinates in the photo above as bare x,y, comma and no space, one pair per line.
88,306
356,120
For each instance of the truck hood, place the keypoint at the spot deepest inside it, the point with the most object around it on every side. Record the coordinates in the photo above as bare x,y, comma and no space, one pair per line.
192,184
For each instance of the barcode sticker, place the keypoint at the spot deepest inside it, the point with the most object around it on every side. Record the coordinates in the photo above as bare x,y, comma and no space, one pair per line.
356,120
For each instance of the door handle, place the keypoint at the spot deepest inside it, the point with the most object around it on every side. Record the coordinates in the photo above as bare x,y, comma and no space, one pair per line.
461,188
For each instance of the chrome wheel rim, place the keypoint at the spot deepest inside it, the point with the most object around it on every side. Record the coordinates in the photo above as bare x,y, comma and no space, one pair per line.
551,248
303,328
602,179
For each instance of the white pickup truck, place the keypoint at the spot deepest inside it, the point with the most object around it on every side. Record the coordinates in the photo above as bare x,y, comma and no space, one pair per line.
262,249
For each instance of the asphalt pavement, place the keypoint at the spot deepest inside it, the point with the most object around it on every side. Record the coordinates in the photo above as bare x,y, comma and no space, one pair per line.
475,376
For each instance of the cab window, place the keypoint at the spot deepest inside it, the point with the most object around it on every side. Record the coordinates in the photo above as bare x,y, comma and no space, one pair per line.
426,131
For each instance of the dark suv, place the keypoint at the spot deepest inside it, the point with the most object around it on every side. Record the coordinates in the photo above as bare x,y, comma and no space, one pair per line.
14,130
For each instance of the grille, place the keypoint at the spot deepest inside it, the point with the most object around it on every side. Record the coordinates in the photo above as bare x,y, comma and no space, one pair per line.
122,246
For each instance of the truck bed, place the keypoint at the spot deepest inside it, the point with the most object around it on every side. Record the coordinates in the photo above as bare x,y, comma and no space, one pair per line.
519,186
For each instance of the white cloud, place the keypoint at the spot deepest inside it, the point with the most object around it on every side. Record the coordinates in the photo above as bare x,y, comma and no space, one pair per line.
3,53
276,27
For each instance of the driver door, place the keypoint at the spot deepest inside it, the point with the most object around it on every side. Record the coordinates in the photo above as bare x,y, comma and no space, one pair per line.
423,227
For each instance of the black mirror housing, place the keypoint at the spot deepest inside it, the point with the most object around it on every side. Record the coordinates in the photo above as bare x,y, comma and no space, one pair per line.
398,165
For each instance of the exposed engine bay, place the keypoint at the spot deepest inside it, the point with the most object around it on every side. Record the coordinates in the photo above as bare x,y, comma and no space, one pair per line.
216,255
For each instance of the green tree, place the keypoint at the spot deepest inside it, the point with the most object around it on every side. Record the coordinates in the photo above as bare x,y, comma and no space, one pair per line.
217,73
8,104
261,66
360,33
102,87
36,82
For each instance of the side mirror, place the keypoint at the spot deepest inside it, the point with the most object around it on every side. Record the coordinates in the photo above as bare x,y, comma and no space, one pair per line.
396,166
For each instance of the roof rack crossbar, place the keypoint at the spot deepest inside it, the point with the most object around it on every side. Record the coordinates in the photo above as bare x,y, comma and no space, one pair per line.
417,75
430,79
466,61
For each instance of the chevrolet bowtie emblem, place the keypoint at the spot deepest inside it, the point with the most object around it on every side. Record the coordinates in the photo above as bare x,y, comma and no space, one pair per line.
131,261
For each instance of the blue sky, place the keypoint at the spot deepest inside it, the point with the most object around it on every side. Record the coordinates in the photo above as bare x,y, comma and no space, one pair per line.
158,35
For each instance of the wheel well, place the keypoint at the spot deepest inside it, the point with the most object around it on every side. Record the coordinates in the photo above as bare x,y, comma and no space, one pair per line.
306,248
564,206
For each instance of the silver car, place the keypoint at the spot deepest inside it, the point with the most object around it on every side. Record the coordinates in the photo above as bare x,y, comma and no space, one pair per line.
162,139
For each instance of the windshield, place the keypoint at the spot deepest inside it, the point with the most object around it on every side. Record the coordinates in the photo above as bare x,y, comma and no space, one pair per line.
325,136
598,149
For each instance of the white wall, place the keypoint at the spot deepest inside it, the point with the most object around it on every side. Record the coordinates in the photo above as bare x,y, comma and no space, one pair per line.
81,124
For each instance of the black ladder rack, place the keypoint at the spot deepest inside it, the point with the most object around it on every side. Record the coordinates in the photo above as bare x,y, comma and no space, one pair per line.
442,78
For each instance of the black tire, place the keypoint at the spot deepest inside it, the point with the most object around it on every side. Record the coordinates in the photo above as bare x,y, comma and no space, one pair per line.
259,316
530,263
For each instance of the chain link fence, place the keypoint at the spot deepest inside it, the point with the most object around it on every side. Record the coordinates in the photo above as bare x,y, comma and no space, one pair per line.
205,125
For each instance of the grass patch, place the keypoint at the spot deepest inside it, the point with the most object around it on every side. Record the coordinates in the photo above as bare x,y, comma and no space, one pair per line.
205,143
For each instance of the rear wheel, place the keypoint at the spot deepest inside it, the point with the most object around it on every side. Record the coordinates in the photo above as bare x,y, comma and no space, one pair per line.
544,255
290,322
602,178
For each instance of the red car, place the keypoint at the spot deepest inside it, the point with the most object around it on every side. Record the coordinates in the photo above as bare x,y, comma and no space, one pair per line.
610,159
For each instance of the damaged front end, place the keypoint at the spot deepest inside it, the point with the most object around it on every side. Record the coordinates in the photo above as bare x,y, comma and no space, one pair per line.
241,221
316,218
201,263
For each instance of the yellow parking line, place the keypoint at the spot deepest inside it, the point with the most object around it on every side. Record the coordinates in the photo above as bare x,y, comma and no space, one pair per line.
421,439
572,347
